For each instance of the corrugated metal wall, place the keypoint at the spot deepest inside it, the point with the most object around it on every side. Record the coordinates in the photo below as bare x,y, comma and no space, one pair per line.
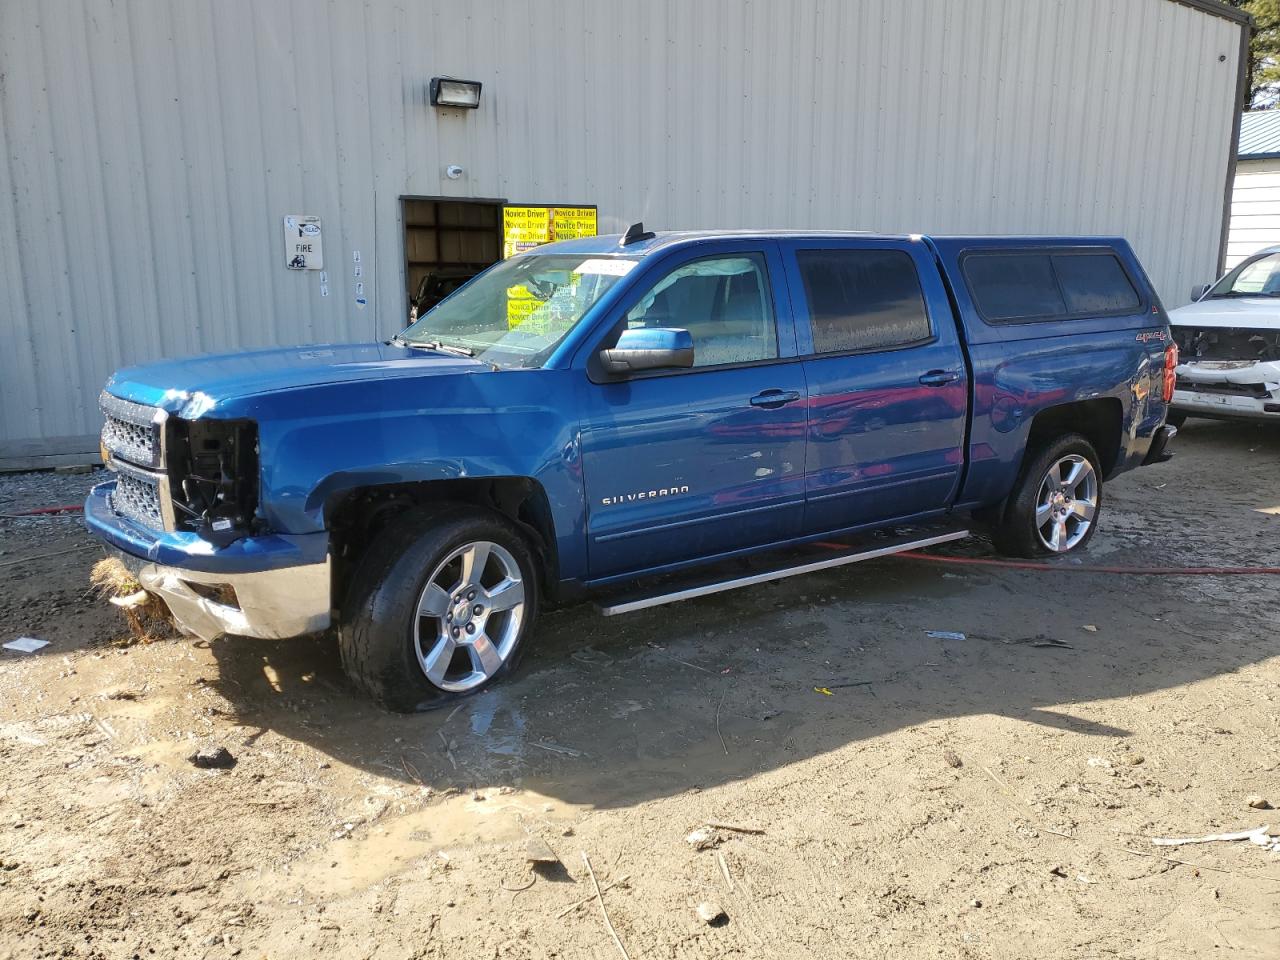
1255,209
151,148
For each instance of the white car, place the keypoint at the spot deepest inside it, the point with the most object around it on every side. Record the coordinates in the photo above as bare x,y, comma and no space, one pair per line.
1229,345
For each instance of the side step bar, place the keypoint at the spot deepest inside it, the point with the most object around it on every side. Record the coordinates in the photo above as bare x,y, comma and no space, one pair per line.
705,590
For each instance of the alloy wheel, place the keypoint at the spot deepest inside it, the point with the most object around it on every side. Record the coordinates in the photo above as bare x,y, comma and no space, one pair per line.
1067,503
469,616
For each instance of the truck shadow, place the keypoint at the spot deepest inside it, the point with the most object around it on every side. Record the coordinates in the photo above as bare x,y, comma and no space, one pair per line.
614,712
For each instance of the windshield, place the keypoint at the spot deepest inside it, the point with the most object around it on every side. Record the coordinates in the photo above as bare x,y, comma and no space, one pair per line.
1253,278
515,313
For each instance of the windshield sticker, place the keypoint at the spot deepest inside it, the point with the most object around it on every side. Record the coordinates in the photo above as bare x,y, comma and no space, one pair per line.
609,268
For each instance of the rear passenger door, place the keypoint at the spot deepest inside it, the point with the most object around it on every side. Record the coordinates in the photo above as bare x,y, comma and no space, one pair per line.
888,389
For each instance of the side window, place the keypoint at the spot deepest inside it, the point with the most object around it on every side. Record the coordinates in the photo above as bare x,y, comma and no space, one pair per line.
862,299
723,302
1095,283
1014,286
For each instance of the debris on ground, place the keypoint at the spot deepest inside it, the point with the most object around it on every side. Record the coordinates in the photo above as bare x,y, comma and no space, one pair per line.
120,693
1259,835
146,614
825,691
952,759
1090,627
945,635
556,748
537,850
704,838
1258,803
735,827
26,645
213,758
710,912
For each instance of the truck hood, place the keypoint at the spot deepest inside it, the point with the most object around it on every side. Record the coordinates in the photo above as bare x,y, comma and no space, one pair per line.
1257,313
193,387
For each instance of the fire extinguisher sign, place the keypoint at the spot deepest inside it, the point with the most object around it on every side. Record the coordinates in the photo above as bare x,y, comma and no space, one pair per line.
303,249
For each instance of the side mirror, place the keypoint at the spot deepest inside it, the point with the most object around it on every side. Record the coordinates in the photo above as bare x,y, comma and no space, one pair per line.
1200,291
655,348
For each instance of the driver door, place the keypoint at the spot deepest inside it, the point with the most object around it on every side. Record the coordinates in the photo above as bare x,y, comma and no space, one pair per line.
690,463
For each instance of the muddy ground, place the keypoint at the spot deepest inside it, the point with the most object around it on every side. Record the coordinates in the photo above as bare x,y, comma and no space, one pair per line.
987,797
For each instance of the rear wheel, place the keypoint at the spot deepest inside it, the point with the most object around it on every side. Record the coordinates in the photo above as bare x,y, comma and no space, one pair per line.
438,608
1055,504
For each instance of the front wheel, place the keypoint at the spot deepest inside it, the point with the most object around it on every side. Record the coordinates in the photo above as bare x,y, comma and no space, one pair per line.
438,607
1054,506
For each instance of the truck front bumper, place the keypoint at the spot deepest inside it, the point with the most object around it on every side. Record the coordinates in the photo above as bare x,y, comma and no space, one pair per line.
272,587
271,605
1229,389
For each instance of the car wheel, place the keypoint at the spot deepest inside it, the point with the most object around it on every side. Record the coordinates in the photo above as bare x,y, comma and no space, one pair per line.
1055,503
438,608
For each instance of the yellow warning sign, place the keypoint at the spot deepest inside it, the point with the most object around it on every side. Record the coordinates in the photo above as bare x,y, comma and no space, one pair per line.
567,223
526,227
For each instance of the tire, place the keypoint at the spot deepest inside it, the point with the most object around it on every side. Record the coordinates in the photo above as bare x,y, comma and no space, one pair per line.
1175,418
1018,534
412,649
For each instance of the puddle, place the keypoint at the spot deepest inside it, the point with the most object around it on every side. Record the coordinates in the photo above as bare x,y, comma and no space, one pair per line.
398,843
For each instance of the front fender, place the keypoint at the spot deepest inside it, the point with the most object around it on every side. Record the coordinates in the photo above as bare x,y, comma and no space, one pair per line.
317,443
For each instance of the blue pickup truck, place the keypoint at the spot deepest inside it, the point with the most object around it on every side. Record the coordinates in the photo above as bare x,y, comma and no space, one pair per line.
598,414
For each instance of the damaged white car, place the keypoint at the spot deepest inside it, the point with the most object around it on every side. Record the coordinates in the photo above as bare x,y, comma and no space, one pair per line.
1229,345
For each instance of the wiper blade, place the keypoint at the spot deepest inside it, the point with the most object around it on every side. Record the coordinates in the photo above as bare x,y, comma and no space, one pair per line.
450,348
434,345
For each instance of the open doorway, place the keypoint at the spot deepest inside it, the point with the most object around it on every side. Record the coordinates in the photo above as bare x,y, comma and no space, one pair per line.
446,243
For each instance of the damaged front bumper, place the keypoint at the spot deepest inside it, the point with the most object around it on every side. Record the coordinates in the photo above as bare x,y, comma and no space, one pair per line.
1248,389
271,587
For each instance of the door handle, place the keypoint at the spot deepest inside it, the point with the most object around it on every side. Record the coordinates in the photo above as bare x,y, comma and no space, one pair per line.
772,399
938,378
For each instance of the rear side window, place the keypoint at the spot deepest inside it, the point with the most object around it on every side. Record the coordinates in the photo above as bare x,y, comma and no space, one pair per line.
862,299
1095,283
1011,287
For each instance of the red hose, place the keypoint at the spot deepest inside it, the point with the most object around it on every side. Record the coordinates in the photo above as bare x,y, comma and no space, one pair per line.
41,511
1135,571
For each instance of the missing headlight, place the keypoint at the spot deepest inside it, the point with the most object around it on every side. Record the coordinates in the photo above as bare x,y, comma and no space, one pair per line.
1227,343
213,467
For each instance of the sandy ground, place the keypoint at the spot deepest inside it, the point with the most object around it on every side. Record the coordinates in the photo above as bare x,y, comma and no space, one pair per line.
987,797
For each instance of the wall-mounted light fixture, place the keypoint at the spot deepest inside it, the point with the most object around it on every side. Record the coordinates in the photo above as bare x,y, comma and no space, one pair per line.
448,92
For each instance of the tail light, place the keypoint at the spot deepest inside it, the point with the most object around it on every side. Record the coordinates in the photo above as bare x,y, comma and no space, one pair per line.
1170,372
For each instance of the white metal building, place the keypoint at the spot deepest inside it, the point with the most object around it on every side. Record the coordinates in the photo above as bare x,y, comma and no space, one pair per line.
153,149
1255,198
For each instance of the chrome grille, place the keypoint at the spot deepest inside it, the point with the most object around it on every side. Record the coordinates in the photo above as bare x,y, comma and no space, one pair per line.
131,431
138,497
133,435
